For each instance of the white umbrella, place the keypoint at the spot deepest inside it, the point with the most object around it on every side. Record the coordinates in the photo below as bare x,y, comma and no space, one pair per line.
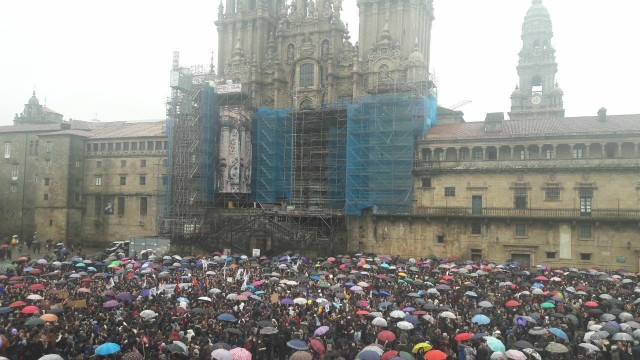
405,325
34,297
376,314
622,337
589,347
204,298
398,314
215,291
379,322
299,301
485,304
625,316
429,318
447,314
232,296
221,354
148,314
498,356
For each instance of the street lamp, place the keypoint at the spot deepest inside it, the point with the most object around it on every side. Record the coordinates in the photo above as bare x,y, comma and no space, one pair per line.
628,245
497,240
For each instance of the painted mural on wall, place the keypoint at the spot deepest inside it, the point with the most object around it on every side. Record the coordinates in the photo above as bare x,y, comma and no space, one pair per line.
234,173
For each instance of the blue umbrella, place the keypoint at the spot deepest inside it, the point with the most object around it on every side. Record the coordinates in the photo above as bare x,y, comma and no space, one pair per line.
478,336
538,285
226,317
297,344
471,293
480,319
368,355
183,299
411,319
107,349
384,304
559,333
383,293
5,310
384,265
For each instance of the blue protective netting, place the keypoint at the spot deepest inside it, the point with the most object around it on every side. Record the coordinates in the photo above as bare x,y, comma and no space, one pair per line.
209,113
381,133
336,169
273,155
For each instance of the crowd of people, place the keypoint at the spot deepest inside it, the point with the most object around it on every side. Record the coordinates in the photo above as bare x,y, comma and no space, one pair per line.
237,307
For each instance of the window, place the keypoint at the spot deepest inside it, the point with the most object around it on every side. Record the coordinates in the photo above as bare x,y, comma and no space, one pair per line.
143,163
461,156
450,191
477,154
585,257
426,155
14,188
31,147
120,205
118,146
165,180
48,147
476,254
143,206
521,230
110,146
77,164
577,153
50,222
123,180
103,147
306,75
98,164
46,196
35,178
88,148
95,147
440,155
125,146
134,146
550,154
585,231
14,172
426,182
150,145
99,180
523,154
123,163
440,239
552,193
476,228
520,195
551,254
142,145
7,150
47,163
586,195
158,145
143,180
306,104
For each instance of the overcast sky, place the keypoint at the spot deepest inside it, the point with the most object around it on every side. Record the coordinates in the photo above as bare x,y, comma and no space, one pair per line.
112,58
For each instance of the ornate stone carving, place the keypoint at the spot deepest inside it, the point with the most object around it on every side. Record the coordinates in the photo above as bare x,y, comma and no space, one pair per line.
306,46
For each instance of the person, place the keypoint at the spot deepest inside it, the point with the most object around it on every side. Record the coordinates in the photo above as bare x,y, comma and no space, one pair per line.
14,241
48,244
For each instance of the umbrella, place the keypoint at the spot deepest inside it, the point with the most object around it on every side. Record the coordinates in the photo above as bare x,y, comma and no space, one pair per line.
423,346
485,304
301,355
240,353
495,344
107,349
226,317
52,357
379,322
221,345
297,344
512,303
221,354
498,355
30,309
368,355
521,344
38,297
538,331
516,355
480,319
179,347
321,331
399,314
317,346
34,321
559,333
463,336
386,336
49,317
589,347
532,353
554,347
621,336
110,304
447,314
405,325
268,330
435,355
148,314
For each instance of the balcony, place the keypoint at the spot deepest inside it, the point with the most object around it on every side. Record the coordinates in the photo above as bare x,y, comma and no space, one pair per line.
533,214
529,164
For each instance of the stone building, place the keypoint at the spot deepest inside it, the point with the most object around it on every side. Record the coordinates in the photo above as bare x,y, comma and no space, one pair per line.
540,188
60,177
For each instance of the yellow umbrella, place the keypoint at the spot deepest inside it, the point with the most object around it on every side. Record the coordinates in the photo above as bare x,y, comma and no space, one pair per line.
402,274
422,346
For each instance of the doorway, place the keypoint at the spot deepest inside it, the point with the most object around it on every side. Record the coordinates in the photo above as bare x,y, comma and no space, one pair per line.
476,205
524,260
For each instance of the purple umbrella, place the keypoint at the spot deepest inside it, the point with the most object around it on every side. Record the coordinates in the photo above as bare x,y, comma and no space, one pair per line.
124,296
109,293
286,301
321,331
409,309
356,288
110,304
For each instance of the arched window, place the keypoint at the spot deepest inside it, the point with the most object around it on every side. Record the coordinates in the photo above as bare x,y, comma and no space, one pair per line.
236,80
291,52
306,75
324,48
536,84
383,73
306,104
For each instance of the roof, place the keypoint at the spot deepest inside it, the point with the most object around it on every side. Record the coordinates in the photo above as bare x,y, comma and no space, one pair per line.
29,128
568,126
47,110
82,133
123,129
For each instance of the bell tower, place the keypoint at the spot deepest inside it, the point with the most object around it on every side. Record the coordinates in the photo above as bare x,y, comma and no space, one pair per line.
537,94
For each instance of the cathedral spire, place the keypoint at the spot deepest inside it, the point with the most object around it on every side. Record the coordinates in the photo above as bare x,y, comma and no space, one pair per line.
537,95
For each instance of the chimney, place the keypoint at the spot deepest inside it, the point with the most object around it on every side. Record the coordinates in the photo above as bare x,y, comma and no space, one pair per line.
493,121
602,115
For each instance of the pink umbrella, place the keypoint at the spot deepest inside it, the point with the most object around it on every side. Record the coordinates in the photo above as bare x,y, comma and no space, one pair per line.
541,278
240,354
110,304
257,283
356,288
317,346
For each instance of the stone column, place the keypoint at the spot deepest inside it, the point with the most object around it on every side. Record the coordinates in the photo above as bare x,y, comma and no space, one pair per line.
224,156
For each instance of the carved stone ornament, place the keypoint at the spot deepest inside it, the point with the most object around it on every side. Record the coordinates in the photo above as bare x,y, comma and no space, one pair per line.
306,46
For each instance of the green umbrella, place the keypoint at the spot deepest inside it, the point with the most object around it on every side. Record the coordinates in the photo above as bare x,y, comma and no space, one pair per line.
114,264
34,321
547,305
405,355
80,265
324,285
495,344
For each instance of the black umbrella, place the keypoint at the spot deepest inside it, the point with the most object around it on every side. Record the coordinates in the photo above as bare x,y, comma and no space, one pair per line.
233,331
264,323
595,312
521,344
220,345
268,330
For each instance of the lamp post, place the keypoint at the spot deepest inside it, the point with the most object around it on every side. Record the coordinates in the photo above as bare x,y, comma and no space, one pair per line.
497,240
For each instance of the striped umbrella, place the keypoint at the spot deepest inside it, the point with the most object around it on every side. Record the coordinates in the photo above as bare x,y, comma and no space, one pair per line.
240,354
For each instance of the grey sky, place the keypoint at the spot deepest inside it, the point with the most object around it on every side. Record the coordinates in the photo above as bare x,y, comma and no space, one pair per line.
113,58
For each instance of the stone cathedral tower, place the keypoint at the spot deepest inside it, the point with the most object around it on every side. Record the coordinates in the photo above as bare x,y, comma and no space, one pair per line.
537,95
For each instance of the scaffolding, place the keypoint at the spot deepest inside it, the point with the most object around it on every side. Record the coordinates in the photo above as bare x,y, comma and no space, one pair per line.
192,122
273,155
381,132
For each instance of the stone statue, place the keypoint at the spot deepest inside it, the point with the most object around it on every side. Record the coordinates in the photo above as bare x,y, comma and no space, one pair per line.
337,6
311,9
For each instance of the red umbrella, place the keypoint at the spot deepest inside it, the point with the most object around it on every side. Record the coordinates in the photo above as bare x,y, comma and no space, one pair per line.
35,272
5,245
3,277
435,355
591,304
419,312
17,304
512,303
317,346
86,280
36,287
30,309
18,286
447,277
386,335
362,312
388,355
463,337
15,278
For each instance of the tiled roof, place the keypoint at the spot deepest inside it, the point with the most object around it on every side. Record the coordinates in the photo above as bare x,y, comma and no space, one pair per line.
570,126
47,110
82,133
29,128
123,129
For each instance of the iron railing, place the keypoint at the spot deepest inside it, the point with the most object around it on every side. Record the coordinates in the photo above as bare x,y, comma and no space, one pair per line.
604,214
